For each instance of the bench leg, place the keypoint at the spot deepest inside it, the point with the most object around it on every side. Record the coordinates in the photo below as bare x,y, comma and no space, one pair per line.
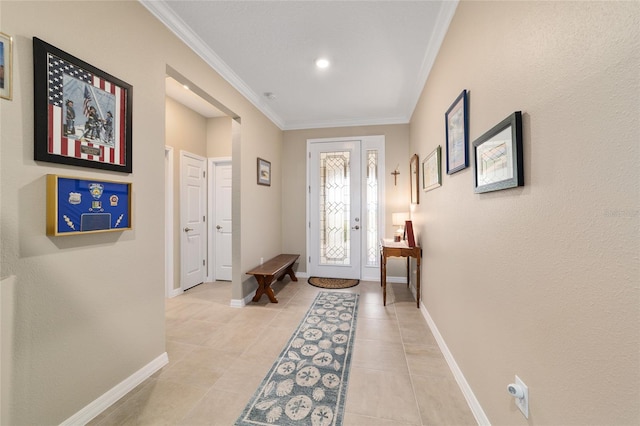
289,272
264,287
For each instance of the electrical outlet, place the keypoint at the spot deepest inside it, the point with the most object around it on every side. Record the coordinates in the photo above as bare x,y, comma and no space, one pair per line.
523,402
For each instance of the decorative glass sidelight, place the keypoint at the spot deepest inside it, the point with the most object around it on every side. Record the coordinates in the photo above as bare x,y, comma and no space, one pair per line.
335,208
372,258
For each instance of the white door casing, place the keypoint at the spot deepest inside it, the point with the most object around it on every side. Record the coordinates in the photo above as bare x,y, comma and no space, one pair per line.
193,211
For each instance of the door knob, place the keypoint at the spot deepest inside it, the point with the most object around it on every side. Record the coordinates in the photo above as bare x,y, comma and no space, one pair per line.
356,227
188,229
218,227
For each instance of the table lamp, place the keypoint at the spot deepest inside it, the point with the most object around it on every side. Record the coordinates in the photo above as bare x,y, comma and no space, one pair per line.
399,219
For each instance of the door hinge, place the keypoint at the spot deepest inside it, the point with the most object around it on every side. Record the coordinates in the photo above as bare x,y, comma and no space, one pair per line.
309,259
204,174
204,219
202,262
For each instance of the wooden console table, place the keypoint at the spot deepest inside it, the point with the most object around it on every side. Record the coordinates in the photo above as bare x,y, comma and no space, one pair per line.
389,248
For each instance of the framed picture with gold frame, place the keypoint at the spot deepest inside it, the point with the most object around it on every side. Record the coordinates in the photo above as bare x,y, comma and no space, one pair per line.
414,177
83,206
6,66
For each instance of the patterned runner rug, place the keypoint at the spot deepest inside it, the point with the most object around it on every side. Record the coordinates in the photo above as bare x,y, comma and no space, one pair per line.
307,384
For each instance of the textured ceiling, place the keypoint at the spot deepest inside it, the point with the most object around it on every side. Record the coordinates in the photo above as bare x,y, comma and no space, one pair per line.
380,52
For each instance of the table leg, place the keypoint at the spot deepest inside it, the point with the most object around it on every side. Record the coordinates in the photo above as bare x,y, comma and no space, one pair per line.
384,280
418,281
408,270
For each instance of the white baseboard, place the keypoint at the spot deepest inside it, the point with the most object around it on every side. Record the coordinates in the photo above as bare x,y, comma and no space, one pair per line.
239,303
175,292
103,402
474,405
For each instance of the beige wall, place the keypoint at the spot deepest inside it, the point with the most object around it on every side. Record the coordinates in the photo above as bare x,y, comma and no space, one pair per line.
74,302
540,281
295,178
219,137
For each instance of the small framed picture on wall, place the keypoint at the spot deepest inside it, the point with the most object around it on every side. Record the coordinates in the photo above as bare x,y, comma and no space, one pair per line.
264,172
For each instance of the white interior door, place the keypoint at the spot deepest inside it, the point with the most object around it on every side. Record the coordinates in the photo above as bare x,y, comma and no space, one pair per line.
223,222
193,210
335,226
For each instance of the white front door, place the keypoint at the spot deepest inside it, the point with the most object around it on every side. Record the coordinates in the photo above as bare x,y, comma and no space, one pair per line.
335,226
193,210
223,222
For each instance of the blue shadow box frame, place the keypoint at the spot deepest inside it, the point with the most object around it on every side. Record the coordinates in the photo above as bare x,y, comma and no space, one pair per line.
81,206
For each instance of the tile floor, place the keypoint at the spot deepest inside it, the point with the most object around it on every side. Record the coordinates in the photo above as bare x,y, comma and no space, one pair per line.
218,356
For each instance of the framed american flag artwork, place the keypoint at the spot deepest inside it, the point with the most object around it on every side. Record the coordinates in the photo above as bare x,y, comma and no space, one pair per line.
82,114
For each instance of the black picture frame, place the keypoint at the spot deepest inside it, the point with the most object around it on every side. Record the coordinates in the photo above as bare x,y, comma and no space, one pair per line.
498,156
457,134
82,115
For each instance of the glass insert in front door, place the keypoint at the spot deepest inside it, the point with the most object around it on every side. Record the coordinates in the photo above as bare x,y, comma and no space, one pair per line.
335,208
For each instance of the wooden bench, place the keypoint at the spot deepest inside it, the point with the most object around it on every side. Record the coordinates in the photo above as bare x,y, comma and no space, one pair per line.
277,267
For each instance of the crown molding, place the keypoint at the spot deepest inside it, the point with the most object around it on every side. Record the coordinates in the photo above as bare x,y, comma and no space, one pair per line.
447,10
164,14
356,122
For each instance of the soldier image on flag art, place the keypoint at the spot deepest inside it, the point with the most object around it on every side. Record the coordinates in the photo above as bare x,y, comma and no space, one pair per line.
84,108
87,112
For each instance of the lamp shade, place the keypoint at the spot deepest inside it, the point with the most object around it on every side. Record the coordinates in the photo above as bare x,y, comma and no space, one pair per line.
398,219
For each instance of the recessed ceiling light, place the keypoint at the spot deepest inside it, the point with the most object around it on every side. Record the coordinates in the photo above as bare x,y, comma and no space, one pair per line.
185,86
322,63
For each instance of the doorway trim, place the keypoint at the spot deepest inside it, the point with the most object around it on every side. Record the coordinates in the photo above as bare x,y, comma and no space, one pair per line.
169,246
